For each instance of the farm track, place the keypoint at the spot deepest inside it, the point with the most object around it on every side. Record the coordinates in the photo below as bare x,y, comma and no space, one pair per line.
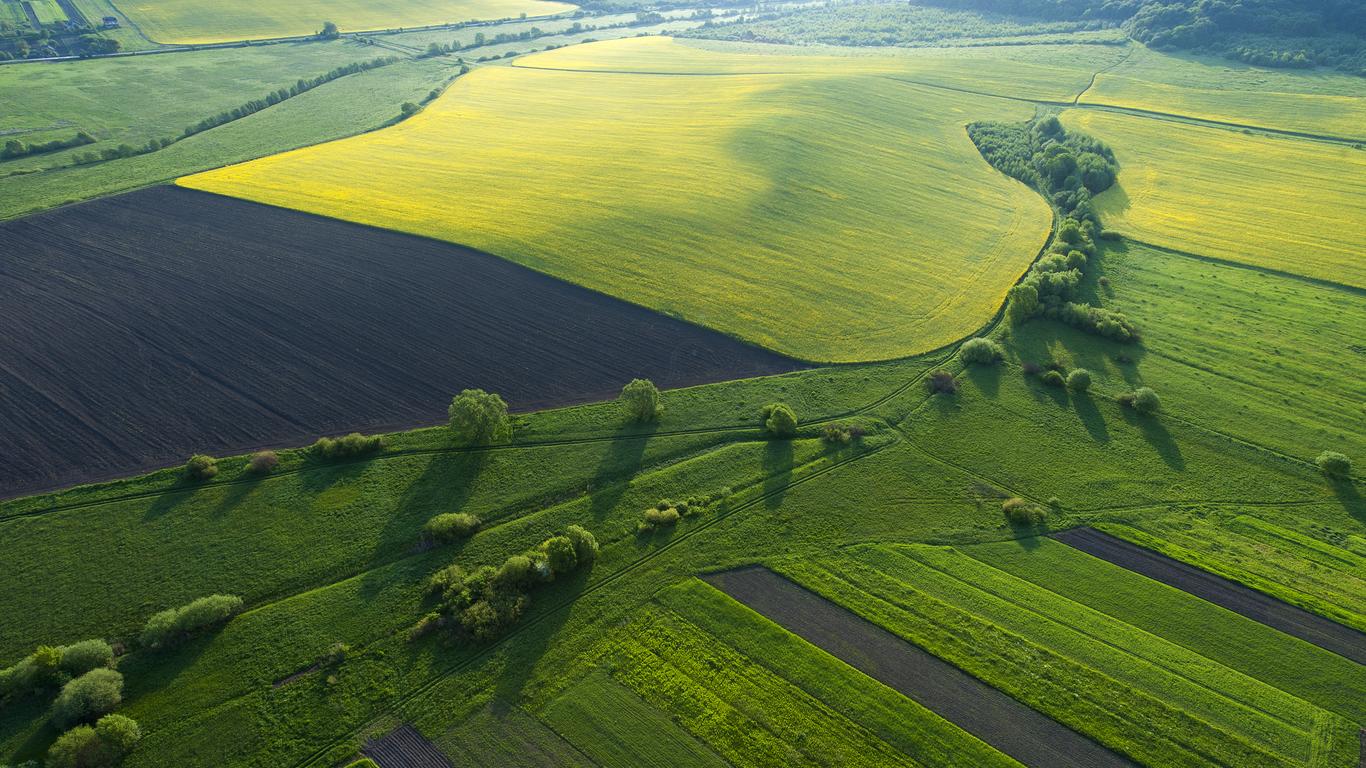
978,708
320,755
1258,606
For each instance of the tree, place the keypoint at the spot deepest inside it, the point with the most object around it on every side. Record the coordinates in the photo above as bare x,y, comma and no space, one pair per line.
1079,380
780,420
452,526
408,109
329,31
118,734
980,351
560,554
88,696
201,467
1024,303
1145,401
641,398
479,418
79,658
174,624
585,544
77,748
1335,465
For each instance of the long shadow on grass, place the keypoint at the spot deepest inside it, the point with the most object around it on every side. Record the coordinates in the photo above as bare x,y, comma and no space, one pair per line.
232,495
529,646
1091,417
987,379
1350,496
1155,432
622,461
166,502
445,485
777,471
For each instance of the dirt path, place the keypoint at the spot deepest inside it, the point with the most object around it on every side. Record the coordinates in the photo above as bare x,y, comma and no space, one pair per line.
962,699
1248,602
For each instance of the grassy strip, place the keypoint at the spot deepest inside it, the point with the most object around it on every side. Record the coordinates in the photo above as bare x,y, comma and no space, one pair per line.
1073,694
918,732
1224,698
616,728
1311,673
663,651
1274,566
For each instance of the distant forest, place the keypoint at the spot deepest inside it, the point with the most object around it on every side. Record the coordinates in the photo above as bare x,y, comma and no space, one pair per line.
1278,33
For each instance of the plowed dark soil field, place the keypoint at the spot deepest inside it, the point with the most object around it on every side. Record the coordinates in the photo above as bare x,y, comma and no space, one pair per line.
141,328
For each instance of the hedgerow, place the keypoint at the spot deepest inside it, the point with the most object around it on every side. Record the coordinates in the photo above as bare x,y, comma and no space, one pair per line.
347,446
452,526
173,625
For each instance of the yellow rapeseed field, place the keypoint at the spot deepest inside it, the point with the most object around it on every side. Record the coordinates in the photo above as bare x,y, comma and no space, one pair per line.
1293,205
831,216
196,22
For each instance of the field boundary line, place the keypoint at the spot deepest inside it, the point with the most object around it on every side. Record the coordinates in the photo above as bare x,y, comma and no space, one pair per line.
1318,282
401,702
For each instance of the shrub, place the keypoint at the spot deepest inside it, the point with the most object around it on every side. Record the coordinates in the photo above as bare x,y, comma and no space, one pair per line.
39,669
1053,379
1024,513
941,381
779,420
659,516
479,418
1143,400
262,462
95,693
447,581
347,446
1333,464
175,624
1079,380
201,467
515,575
79,658
641,398
77,748
585,544
452,526
560,554
980,352
118,733
841,434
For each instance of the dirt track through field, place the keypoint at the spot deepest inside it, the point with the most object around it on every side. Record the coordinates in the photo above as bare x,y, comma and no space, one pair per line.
404,747
1255,605
958,697
144,327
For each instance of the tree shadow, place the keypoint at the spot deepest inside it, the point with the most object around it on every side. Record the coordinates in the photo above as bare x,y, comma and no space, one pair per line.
1155,432
987,379
777,471
619,464
148,671
532,643
1350,497
168,501
1091,417
234,493
1029,537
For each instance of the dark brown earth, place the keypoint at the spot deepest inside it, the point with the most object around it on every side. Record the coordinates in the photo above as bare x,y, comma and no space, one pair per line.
1255,605
404,747
958,697
141,328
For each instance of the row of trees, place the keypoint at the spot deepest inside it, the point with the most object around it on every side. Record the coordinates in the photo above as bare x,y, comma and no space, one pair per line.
14,148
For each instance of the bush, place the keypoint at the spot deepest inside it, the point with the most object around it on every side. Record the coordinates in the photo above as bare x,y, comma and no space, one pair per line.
1079,380
79,658
841,434
779,419
118,733
479,418
452,526
585,544
1053,379
941,382
77,748
175,624
262,462
39,669
348,446
201,467
641,398
980,352
560,554
661,515
1335,465
517,574
1143,400
1024,513
95,693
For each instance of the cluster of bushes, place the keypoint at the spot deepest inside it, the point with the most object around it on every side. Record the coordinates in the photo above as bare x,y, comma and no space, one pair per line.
980,351
479,418
482,604
667,512
105,744
52,666
174,625
1142,400
1067,168
1020,512
1055,375
640,398
779,419
201,467
262,462
1335,465
15,148
451,526
941,382
841,434
347,446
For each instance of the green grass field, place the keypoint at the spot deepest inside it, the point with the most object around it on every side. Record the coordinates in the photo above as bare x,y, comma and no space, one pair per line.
1285,204
637,185
192,22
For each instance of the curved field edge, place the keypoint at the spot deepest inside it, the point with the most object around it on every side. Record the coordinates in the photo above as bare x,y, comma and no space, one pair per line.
754,192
